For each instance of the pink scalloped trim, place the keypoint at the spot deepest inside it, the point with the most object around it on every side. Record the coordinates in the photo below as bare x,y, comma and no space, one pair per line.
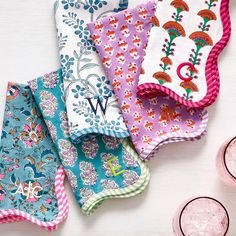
150,90
10,216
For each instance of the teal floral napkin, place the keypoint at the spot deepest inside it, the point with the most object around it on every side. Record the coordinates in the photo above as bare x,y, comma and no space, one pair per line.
90,101
31,176
98,166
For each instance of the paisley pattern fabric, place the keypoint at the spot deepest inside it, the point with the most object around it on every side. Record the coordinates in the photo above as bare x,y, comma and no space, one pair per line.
188,74
98,166
31,180
90,101
151,122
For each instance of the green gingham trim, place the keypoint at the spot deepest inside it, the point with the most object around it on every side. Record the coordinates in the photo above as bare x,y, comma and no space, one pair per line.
94,202
97,204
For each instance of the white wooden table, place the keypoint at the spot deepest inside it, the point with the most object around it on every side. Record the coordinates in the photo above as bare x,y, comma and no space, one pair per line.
28,49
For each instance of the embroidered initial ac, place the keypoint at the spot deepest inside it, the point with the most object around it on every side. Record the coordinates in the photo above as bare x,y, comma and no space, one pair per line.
115,169
101,104
29,191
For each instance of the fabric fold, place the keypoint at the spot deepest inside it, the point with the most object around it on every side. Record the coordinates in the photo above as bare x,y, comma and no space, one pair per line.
151,122
98,167
31,176
90,101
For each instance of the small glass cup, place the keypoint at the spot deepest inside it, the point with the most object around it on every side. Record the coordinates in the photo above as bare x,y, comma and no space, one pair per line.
201,216
226,162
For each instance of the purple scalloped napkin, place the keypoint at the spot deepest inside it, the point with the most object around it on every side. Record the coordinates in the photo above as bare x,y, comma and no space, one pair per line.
151,122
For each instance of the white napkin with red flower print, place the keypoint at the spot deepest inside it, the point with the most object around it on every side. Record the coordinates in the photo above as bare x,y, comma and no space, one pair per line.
181,57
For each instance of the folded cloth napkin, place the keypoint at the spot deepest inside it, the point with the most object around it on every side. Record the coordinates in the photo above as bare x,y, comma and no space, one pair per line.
91,104
31,178
151,122
189,74
98,167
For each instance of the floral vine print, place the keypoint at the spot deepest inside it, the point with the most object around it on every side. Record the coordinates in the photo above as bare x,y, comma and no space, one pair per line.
201,39
188,36
174,30
29,162
90,101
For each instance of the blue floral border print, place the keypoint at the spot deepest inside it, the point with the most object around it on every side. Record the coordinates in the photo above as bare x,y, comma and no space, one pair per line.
91,103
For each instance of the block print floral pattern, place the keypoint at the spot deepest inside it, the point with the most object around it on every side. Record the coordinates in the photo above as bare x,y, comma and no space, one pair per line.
151,122
52,130
68,152
50,80
48,103
90,147
182,72
64,123
88,174
90,102
111,142
130,177
85,194
109,184
26,145
84,161
72,179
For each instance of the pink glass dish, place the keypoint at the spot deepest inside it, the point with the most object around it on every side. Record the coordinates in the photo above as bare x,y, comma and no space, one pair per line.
226,162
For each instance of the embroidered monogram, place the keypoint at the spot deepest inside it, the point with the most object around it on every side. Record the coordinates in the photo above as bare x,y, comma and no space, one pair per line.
30,190
99,103
115,168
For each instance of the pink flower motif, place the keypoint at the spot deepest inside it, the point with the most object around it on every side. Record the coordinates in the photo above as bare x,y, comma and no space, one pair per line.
10,159
1,176
48,201
2,197
9,114
16,166
10,168
32,134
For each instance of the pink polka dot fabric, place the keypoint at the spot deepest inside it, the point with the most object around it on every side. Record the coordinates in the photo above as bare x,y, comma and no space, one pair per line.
151,122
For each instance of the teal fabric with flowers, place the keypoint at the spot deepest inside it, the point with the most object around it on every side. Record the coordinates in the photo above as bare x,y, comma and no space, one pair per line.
28,159
97,162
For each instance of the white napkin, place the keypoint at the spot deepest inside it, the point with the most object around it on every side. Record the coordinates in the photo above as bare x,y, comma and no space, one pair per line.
91,104
181,57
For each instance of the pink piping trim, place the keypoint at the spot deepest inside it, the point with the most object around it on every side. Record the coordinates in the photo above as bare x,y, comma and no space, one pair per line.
9,216
150,90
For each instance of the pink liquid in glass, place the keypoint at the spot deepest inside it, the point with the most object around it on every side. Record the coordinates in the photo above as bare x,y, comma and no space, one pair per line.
201,216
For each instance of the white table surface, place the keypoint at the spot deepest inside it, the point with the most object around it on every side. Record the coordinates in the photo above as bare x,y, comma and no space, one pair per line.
28,49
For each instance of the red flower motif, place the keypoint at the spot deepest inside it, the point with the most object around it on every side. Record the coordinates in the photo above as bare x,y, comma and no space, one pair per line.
180,4
201,39
174,29
207,14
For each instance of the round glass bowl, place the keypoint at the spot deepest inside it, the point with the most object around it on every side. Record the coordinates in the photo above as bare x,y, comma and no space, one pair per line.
201,216
226,162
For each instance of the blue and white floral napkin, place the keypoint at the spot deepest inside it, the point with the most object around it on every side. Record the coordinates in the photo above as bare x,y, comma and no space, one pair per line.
90,101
